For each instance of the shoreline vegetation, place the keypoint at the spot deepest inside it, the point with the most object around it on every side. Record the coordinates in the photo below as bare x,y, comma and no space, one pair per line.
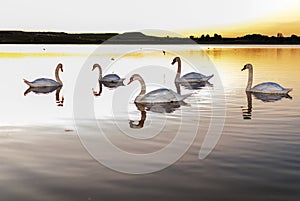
23,37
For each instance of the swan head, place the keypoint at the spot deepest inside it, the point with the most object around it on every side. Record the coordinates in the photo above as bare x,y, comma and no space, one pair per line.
176,59
60,66
96,66
134,77
247,66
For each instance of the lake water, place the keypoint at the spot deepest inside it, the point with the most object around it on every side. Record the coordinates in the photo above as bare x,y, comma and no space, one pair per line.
251,144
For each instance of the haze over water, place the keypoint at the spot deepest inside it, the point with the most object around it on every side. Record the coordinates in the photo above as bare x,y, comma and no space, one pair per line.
256,158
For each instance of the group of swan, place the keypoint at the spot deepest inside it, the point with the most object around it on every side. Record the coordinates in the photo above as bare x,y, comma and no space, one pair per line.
161,95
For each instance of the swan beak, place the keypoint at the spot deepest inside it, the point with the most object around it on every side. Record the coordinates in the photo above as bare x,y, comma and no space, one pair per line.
130,82
62,70
173,62
244,68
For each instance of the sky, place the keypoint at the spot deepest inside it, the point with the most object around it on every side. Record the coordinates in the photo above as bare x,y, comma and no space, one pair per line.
185,17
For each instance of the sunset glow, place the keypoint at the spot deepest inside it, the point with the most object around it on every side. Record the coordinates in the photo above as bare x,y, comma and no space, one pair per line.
229,18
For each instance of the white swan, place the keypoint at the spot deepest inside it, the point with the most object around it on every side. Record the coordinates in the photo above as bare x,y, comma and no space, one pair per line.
161,95
266,87
192,77
110,78
46,82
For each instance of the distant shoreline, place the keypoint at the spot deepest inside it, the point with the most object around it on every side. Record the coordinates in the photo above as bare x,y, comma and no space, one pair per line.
22,37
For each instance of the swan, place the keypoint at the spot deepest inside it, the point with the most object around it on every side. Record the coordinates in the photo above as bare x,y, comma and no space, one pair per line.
266,87
46,82
161,95
110,79
192,77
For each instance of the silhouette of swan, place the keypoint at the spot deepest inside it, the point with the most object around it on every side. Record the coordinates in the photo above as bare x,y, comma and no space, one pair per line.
110,80
266,87
46,82
161,95
192,77
247,112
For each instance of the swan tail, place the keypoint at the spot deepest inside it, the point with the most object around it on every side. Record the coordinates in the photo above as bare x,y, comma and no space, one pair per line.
27,82
209,77
184,96
122,81
288,90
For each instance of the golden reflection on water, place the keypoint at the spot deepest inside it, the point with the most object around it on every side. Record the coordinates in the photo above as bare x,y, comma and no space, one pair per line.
270,64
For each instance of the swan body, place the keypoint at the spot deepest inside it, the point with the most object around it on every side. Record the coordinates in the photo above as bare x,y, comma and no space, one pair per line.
110,78
266,87
192,77
46,82
161,95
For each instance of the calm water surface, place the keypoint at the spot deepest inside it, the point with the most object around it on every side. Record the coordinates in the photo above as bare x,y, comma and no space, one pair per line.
256,158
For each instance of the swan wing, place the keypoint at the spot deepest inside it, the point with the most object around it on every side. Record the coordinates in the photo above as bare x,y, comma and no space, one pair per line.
270,87
112,78
195,77
43,82
162,96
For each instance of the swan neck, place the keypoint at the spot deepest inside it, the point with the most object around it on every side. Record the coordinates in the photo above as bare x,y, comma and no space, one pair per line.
143,86
250,79
178,69
100,72
57,75
178,88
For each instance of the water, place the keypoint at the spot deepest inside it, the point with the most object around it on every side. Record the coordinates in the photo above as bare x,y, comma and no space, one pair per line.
256,157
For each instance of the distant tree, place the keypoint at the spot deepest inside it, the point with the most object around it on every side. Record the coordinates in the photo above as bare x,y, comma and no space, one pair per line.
207,36
202,37
192,37
216,36
294,36
279,35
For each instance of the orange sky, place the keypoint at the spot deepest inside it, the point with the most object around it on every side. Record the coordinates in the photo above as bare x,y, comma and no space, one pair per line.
285,21
189,17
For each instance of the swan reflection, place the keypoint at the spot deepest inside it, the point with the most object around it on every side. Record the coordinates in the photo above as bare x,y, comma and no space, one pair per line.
111,85
157,108
271,97
247,112
195,85
47,90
